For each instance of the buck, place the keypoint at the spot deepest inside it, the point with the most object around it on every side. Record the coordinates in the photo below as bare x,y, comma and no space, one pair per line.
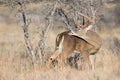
67,43
82,29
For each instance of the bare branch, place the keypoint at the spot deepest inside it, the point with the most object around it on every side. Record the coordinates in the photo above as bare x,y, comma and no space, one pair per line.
41,43
26,33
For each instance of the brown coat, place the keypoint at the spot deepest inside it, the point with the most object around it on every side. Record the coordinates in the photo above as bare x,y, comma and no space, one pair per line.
67,44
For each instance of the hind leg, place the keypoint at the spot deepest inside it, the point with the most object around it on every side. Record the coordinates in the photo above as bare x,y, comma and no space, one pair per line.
80,62
62,56
52,57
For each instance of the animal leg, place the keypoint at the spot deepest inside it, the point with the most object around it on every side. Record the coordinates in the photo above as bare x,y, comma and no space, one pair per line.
92,60
54,55
87,63
62,56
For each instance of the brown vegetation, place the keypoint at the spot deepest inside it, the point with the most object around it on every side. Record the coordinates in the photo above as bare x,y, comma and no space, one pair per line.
15,63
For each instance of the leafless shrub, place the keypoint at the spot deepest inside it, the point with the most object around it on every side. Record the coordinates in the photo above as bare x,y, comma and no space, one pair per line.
58,8
72,60
112,44
116,45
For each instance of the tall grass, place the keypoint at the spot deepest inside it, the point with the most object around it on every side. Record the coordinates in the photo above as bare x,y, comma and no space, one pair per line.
15,63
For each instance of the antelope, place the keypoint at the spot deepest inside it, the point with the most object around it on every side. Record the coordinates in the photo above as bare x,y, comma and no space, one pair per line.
82,29
67,44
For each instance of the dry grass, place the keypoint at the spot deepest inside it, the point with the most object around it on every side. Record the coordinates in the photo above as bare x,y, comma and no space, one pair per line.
15,63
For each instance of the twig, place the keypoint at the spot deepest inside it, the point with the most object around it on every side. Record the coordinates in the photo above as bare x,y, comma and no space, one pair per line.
41,44
26,33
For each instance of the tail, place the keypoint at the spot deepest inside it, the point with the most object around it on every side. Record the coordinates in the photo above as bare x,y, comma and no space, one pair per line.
59,43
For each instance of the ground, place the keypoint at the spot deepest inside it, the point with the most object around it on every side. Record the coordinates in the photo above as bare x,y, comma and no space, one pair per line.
15,63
